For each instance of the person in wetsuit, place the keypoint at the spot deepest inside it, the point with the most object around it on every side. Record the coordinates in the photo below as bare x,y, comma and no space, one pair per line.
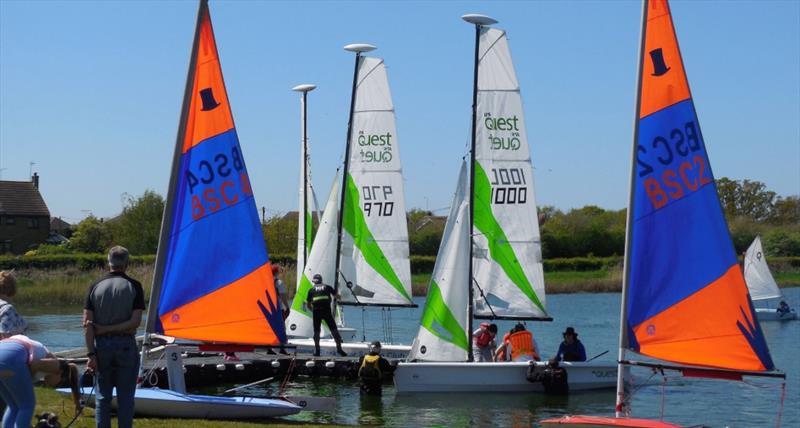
319,300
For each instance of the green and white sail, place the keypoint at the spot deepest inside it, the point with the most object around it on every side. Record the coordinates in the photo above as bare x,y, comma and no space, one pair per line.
374,256
443,334
321,260
507,262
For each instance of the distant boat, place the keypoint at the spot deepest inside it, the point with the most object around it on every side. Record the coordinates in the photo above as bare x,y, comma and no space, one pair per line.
213,280
762,285
489,264
684,299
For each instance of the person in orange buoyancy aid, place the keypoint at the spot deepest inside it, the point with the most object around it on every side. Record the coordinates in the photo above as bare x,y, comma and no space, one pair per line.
518,345
483,351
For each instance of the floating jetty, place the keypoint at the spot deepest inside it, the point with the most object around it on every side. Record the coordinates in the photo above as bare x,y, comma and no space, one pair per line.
211,368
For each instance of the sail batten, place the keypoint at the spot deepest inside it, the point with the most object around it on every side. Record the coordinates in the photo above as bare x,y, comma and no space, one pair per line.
685,298
211,249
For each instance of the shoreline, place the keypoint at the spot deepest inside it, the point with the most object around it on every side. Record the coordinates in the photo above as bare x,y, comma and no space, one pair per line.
68,286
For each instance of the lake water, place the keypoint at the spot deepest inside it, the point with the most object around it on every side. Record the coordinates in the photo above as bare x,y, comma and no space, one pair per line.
754,403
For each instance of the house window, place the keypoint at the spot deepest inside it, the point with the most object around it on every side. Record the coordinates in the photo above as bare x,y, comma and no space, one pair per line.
10,220
33,223
5,246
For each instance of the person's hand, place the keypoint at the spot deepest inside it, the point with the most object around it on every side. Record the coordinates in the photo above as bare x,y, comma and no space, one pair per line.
92,363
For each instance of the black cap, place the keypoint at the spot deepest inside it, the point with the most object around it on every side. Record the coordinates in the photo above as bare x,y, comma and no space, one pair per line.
571,331
317,277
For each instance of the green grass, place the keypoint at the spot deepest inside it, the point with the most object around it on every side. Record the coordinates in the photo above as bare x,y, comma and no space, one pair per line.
47,400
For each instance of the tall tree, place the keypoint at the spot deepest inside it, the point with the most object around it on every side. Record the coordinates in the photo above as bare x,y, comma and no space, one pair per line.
139,225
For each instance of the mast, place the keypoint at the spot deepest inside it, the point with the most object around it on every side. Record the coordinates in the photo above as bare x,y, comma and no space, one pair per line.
479,21
623,369
358,48
305,89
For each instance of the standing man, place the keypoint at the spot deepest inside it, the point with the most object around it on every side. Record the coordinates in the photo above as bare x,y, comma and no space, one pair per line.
111,315
319,300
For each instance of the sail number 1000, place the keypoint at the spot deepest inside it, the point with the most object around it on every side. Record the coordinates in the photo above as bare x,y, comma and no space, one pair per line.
509,186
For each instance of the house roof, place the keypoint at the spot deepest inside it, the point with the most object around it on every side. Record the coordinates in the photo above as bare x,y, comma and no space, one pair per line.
57,224
21,198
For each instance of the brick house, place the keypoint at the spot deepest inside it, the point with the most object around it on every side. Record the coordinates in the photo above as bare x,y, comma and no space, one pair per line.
24,217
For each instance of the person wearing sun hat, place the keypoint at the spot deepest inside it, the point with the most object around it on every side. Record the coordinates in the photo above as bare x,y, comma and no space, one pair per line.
571,349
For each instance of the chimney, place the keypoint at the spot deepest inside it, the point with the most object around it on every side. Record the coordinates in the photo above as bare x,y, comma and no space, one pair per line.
35,180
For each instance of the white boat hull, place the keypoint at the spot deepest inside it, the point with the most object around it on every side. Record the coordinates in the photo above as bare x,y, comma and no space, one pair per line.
767,314
327,348
496,377
163,403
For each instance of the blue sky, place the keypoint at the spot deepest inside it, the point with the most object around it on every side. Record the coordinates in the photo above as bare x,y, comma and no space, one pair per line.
91,92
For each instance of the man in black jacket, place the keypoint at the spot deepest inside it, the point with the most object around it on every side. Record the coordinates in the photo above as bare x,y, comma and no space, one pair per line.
319,300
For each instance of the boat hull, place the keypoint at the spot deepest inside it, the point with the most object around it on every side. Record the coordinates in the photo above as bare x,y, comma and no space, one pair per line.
601,422
767,314
163,403
327,348
497,377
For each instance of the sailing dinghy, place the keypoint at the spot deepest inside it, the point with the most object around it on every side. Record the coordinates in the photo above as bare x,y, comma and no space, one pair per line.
489,264
684,299
363,237
213,280
762,285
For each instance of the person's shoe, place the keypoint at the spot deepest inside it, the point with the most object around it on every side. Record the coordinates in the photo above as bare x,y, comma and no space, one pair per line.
316,353
341,352
283,352
230,356
270,351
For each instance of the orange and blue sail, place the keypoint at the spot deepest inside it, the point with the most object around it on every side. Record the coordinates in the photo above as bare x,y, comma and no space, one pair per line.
687,301
213,281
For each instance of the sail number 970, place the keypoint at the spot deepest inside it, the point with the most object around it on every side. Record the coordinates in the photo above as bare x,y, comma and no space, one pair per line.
377,200
509,186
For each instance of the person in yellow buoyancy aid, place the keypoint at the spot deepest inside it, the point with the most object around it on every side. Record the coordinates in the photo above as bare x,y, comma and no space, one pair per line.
371,370
519,346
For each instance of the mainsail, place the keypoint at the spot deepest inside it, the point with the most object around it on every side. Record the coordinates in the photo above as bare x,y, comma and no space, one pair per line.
321,260
443,334
213,280
508,279
759,279
686,299
374,263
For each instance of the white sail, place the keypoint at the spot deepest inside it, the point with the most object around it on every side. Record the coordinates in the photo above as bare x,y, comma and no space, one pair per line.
507,261
374,259
443,334
759,279
321,260
307,201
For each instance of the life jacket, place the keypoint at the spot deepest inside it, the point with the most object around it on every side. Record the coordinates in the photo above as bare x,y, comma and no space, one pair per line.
485,338
522,346
370,369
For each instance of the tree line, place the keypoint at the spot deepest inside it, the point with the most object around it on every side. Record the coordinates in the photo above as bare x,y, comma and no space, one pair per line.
750,209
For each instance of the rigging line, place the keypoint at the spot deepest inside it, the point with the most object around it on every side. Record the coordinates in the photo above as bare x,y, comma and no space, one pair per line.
780,409
364,323
483,296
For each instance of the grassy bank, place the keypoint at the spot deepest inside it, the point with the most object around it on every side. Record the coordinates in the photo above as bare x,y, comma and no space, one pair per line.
47,400
67,286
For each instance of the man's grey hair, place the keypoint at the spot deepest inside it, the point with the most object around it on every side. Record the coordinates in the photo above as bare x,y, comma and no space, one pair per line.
118,257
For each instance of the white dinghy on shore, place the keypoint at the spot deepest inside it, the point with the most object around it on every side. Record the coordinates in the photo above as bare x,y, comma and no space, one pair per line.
489,264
